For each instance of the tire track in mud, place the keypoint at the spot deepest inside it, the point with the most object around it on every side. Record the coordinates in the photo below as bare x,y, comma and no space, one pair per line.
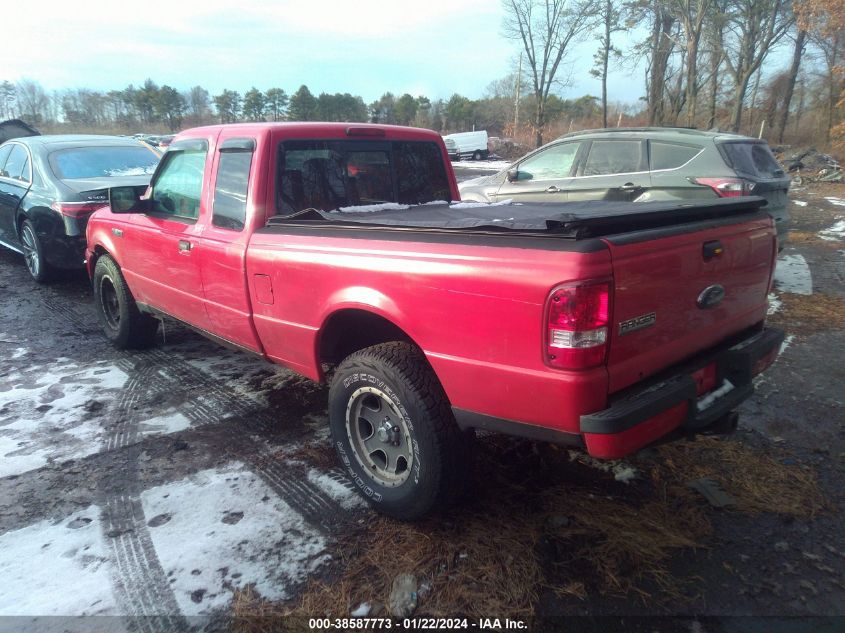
142,583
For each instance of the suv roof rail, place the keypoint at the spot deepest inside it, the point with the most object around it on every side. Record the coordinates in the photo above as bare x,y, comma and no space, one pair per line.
665,128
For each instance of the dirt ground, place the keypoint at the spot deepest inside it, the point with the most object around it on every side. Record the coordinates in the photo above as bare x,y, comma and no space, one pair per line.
191,481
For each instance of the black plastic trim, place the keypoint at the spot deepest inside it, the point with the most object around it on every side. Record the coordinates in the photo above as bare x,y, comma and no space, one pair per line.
510,239
473,420
734,362
645,235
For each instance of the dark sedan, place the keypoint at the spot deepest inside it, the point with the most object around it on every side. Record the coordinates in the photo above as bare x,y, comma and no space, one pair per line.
50,185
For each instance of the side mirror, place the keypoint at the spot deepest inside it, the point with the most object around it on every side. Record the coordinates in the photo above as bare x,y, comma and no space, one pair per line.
513,175
126,200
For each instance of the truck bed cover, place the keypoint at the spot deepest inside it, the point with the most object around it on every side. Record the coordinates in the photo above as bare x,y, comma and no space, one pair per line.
575,220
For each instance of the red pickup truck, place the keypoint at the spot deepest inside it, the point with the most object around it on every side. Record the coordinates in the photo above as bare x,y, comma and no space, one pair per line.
337,250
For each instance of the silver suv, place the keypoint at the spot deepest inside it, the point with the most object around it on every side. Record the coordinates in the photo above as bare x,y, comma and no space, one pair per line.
639,165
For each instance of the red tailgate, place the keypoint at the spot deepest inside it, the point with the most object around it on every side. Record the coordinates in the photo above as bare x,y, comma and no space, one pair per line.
666,304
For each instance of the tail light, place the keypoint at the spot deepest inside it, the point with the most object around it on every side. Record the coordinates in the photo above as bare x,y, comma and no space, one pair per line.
727,187
77,209
577,318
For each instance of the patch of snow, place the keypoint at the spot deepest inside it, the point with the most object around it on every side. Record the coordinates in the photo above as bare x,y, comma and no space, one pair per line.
799,203
491,165
708,399
57,568
18,353
132,171
774,304
621,471
372,208
226,529
172,422
335,485
47,416
792,274
361,611
839,202
479,205
835,233
786,343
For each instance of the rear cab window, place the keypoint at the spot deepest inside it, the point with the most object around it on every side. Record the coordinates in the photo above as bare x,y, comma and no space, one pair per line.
751,159
228,210
177,188
666,155
332,175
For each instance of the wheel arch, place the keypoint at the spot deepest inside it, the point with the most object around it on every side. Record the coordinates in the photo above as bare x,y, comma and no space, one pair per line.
348,330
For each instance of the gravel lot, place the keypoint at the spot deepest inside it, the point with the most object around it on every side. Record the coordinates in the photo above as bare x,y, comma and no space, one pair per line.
169,481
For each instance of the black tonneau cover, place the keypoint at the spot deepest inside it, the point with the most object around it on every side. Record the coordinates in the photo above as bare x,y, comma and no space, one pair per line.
569,219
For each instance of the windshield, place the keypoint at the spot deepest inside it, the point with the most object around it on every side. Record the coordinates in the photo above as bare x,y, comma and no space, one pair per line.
103,161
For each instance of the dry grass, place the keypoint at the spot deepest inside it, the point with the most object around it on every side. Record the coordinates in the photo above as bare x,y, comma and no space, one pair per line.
533,527
810,313
808,237
756,480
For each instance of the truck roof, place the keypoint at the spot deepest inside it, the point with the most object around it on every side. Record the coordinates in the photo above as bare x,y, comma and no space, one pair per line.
318,129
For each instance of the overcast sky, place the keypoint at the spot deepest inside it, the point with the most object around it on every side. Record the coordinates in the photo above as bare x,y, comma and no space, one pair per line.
366,47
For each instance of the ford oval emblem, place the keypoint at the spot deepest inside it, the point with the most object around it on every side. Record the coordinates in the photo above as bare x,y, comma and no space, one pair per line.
711,296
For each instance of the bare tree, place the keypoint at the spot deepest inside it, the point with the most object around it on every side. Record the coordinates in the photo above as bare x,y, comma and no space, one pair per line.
691,14
546,29
661,45
610,19
33,101
753,28
797,53
714,33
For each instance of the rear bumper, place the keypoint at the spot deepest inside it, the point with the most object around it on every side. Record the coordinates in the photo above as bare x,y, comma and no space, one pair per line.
643,415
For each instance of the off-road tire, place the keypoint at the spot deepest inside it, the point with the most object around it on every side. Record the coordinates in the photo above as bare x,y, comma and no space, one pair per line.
36,262
124,325
441,451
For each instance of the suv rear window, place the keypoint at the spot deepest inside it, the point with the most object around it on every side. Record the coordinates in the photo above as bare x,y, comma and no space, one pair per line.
753,159
328,175
670,155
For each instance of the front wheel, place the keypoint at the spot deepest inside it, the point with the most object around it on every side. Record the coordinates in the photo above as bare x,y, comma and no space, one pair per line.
394,431
123,324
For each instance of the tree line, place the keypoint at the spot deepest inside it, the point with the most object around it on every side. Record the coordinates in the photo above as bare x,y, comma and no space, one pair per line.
752,66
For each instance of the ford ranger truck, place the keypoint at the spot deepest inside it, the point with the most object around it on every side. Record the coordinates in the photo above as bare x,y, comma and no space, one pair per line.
340,252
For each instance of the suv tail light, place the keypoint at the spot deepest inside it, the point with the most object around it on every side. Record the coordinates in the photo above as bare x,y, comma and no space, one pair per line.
77,209
727,187
577,317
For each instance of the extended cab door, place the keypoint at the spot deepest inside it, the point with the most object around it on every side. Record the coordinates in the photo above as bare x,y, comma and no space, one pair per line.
615,169
160,254
236,188
544,176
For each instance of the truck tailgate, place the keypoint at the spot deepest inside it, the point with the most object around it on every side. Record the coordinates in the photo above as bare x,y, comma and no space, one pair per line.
667,288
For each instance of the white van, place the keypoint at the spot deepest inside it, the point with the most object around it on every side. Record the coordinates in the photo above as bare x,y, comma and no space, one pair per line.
470,144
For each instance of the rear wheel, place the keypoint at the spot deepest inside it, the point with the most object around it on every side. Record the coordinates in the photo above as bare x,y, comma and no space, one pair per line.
394,431
33,253
477,155
123,324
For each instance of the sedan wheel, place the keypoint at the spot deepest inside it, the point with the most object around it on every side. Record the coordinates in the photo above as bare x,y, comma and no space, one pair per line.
33,253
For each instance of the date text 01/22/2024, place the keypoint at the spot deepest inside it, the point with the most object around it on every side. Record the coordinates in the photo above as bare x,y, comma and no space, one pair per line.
482,624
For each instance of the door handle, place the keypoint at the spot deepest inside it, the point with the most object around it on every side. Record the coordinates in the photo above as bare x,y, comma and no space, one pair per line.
117,232
628,186
552,189
184,246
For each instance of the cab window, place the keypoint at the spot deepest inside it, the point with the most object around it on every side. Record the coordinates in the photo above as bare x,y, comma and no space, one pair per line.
178,185
550,164
614,157
230,187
